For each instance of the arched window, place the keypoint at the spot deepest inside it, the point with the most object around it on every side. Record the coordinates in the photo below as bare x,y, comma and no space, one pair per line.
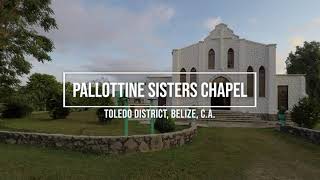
193,77
250,82
183,76
211,59
230,58
262,82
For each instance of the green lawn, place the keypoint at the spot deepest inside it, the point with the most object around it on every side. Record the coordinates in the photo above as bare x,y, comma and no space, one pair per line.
216,153
78,123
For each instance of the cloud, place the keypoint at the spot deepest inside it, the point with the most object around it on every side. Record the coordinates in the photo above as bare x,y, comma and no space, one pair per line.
315,22
252,20
98,36
107,64
164,12
211,23
296,41
309,25
89,26
115,64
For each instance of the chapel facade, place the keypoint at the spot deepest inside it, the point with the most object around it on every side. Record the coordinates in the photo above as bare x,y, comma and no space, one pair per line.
223,51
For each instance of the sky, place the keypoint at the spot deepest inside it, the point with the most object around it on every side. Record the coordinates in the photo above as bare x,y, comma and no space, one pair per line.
139,35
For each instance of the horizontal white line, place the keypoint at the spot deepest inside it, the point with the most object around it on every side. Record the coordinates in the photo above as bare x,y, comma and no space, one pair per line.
158,73
155,106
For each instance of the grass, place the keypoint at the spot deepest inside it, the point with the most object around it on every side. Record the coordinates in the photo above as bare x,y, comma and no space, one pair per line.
317,126
216,153
77,123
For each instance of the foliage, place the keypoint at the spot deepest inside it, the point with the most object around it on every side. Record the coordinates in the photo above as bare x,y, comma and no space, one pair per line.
122,101
41,88
306,113
2,107
101,116
56,109
16,108
282,110
306,60
20,24
164,125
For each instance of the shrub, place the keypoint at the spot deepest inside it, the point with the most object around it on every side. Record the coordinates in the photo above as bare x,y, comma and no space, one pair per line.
56,109
306,113
2,107
164,125
59,113
282,110
101,116
16,109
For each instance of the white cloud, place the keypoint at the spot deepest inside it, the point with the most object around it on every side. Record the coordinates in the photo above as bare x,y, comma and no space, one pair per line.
164,12
296,41
91,26
253,20
315,21
310,25
211,23
106,63
118,35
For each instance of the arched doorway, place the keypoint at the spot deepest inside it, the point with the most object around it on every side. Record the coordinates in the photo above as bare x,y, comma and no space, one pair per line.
221,101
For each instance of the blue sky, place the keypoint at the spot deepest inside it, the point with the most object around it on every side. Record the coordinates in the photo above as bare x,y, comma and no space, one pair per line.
140,35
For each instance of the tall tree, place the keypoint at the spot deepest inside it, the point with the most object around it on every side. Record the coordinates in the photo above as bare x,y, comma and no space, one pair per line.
20,24
41,88
306,60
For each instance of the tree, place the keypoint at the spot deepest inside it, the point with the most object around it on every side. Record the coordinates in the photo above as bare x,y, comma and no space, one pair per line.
16,107
306,60
42,88
56,109
306,113
20,24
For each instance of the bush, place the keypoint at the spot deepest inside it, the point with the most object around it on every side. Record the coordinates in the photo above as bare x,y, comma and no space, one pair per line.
164,125
282,110
101,116
56,109
2,107
306,113
59,113
16,109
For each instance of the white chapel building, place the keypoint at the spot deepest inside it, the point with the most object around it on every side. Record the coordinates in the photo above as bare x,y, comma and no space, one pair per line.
223,51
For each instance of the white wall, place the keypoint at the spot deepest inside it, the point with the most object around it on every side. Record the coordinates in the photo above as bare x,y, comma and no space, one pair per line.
247,53
296,88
